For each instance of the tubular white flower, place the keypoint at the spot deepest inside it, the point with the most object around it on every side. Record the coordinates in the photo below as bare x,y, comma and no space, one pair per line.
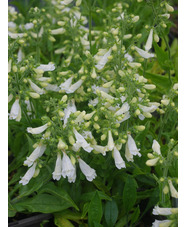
81,142
36,88
38,152
134,64
58,31
9,65
143,53
49,67
132,146
165,223
66,2
28,175
68,169
100,149
148,44
15,112
52,87
119,162
126,117
173,191
37,130
106,96
89,173
58,168
66,84
149,86
125,107
74,87
152,162
20,55
102,62
149,109
161,211
110,144
156,147
71,108
15,35
28,26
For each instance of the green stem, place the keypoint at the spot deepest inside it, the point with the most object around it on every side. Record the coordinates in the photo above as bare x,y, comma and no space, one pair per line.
90,28
145,66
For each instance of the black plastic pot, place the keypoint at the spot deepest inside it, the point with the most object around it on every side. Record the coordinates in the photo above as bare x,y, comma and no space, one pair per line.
34,221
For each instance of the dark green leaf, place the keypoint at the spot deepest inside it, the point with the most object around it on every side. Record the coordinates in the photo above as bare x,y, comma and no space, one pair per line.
135,215
95,210
129,194
111,213
59,193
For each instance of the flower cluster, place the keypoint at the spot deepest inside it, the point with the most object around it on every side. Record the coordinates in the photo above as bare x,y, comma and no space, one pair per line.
94,97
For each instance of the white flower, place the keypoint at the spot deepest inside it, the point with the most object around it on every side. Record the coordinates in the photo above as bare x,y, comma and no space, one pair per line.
165,223
131,149
11,24
36,88
106,96
28,175
129,57
49,67
20,55
71,108
149,86
15,35
126,117
110,144
134,64
89,173
38,152
68,88
100,149
37,130
156,147
66,2
161,211
119,162
148,109
28,26
125,107
101,63
67,167
15,112
58,168
81,142
148,44
58,31
52,87
152,162
143,53
173,191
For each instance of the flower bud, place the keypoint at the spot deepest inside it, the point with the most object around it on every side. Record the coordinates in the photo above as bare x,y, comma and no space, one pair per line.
61,145
64,98
108,84
149,86
121,89
14,68
34,95
61,113
71,140
128,36
94,75
156,38
103,137
147,114
166,190
137,112
152,162
140,127
169,8
135,19
149,155
89,116
96,126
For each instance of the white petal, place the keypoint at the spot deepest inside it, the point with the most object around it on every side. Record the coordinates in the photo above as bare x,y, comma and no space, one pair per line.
148,44
52,87
67,167
161,211
143,53
28,175
149,109
66,84
38,152
58,31
119,162
58,168
173,191
156,147
71,108
100,149
165,223
103,60
36,88
74,87
48,67
125,107
15,111
152,162
87,170
15,35
110,141
37,130
132,146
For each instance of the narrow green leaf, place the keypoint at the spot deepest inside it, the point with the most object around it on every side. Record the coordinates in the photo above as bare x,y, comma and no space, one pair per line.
85,210
129,194
135,215
95,210
111,213
62,222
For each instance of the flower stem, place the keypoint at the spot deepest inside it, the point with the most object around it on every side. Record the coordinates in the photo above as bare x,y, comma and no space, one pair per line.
90,27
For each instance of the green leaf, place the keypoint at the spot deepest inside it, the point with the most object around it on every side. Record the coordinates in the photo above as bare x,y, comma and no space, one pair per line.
135,215
111,213
11,210
85,210
59,193
89,195
95,210
97,224
129,194
162,57
44,203
62,222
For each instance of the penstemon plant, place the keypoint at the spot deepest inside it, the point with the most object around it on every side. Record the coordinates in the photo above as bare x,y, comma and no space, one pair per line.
93,112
